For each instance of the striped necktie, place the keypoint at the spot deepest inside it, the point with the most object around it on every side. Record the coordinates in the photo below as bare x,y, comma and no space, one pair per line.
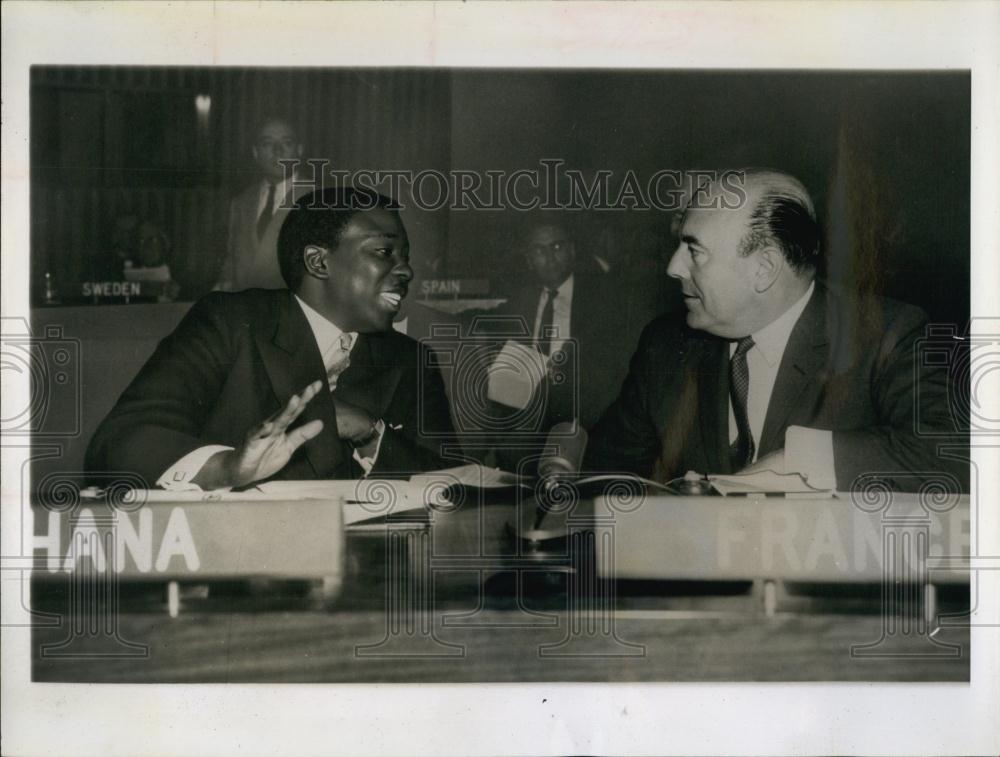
547,324
742,450
337,359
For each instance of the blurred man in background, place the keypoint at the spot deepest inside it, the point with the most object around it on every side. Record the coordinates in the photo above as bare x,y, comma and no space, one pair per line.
256,214
564,327
571,309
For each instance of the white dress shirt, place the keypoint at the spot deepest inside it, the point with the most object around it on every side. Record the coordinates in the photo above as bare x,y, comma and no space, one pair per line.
807,451
281,190
327,335
562,308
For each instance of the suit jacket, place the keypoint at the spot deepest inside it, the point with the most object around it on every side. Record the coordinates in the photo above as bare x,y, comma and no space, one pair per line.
236,359
848,367
251,261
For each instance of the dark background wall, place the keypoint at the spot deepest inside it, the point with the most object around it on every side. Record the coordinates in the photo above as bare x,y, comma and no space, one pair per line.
110,141
886,156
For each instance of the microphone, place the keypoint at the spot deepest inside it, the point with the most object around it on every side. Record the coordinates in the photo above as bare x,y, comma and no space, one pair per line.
570,442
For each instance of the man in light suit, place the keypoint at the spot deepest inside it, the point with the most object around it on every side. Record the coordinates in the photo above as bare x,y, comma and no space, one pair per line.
256,213
773,370
217,403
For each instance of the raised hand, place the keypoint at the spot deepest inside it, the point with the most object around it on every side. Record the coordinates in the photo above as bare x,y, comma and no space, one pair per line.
266,448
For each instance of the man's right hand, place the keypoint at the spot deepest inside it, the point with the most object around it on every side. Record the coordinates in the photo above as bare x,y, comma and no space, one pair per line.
266,449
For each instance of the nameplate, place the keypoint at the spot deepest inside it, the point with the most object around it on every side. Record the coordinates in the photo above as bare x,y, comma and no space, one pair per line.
111,288
821,540
192,540
454,287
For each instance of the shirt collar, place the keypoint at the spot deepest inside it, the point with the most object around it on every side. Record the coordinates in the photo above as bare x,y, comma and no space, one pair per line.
771,339
564,290
280,189
326,333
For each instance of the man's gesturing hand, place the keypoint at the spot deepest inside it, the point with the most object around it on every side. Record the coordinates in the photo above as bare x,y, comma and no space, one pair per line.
266,448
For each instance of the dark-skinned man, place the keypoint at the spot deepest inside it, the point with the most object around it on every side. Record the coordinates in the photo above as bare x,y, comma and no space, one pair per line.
303,383
570,305
571,318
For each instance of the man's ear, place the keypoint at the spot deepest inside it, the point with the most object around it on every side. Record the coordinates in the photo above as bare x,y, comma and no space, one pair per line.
298,150
314,259
770,263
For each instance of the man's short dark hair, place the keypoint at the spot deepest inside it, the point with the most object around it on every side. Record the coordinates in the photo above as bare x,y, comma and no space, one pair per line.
276,118
318,218
783,216
534,220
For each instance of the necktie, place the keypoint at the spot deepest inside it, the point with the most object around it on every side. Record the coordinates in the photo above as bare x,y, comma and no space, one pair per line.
337,359
266,213
740,452
546,325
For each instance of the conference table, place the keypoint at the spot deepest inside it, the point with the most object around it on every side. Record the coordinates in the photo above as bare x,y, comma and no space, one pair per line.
458,593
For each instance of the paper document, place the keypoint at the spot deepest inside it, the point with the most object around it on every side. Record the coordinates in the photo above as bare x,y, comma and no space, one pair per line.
474,475
765,482
255,494
515,375
362,499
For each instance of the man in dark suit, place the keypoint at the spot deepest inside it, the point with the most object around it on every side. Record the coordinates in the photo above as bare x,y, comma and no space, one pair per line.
574,314
773,370
571,320
214,407
256,213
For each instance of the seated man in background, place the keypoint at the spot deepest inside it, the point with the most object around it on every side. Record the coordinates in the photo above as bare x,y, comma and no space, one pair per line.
217,403
570,304
150,267
773,370
256,213
569,319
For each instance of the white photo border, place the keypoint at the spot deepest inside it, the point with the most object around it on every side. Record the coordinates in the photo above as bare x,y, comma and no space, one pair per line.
870,718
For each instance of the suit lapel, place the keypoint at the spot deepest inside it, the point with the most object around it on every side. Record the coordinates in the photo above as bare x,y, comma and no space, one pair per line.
798,385
373,375
251,207
713,403
292,361
525,305
250,199
293,194
587,293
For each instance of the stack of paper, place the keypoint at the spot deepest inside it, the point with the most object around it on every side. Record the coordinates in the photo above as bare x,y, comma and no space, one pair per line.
765,482
363,499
